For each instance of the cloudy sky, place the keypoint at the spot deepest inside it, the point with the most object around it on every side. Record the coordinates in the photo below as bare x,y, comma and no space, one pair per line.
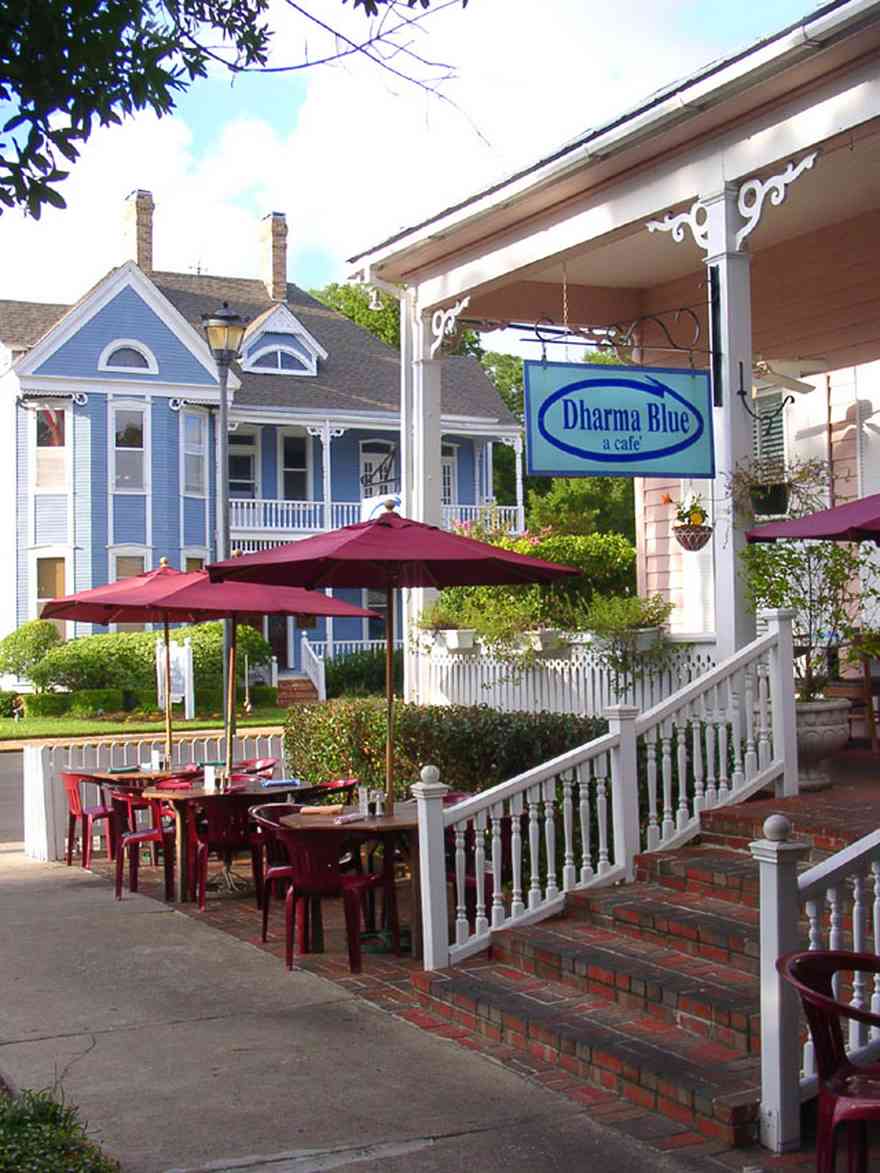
350,154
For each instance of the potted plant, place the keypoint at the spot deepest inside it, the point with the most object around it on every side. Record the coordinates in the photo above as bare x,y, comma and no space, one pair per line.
768,487
444,622
815,580
629,636
692,530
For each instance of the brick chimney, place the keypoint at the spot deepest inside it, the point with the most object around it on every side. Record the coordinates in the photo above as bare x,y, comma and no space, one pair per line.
138,228
273,255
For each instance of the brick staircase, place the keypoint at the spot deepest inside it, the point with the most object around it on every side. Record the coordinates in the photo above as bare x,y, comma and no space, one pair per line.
295,690
649,990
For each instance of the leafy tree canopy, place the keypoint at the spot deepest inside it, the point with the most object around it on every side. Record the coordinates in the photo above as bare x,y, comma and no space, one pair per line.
66,65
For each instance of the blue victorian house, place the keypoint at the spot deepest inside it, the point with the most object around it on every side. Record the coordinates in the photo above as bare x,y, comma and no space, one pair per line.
109,411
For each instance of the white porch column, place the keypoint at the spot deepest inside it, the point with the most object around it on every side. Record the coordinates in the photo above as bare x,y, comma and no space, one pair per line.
327,434
479,450
425,431
516,443
734,624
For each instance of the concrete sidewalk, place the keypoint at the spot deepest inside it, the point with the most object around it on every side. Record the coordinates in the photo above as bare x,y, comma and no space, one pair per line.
187,1049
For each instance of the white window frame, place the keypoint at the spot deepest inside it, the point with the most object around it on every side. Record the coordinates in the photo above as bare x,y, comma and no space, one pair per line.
310,359
365,596
449,461
194,552
309,469
33,450
144,407
152,367
51,551
184,452
255,432
128,551
390,447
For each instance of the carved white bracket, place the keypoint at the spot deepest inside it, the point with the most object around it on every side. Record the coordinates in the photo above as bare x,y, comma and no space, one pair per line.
754,192
514,442
696,218
443,323
175,404
80,398
325,432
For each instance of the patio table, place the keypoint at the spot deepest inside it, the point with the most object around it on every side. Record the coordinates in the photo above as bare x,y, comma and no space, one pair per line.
386,828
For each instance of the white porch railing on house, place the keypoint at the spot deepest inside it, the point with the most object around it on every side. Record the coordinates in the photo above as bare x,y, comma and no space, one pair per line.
510,517
833,905
268,515
346,647
580,819
45,804
576,682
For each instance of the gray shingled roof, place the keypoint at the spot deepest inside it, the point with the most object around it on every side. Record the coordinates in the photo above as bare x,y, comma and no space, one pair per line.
360,374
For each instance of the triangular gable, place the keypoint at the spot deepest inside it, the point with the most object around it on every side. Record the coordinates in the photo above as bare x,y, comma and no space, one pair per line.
278,322
124,305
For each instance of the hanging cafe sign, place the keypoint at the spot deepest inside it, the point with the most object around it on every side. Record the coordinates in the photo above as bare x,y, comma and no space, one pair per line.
588,420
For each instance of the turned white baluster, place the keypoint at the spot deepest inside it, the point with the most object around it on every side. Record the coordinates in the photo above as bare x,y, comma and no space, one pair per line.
517,907
682,816
461,921
835,930
497,814
569,871
751,759
711,783
858,1032
481,924
653,835
763,719
534,798
666,773
815,942
550,838
721,715
601,766
583,777
738,775
875,996
697,757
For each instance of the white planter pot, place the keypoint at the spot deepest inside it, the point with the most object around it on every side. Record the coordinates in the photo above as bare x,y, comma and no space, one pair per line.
646,637
458,639
545,640
822,730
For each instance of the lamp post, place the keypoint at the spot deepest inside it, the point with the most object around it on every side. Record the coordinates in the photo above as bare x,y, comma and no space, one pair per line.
224,331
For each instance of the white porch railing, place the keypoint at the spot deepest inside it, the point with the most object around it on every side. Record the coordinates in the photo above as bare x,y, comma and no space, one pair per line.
576,682
507,516
267,515
717,740
833,905
45,804
325,650
313,666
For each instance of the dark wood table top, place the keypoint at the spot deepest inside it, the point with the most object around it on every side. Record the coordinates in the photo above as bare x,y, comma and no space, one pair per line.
199,792
132,776
405,818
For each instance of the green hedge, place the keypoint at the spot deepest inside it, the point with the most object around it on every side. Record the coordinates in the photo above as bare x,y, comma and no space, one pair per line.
7,700
91,702
264,696
361,673
141,700
46,704
126,659
473,746
39,1132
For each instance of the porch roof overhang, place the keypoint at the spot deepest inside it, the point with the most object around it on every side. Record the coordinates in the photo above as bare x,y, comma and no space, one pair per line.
586,205
379,421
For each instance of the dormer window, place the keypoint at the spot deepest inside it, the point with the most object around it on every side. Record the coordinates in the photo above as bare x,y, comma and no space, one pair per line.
288,359
127,356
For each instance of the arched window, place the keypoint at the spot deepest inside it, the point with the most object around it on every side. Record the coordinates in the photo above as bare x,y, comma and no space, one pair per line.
128,355
289,358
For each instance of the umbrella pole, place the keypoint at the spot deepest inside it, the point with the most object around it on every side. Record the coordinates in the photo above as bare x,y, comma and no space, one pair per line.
167,697
389,698
230,697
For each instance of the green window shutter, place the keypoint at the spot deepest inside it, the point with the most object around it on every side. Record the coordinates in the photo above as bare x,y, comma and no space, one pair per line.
768,433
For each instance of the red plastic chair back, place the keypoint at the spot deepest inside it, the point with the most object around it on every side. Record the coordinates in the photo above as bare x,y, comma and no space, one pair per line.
224,821
340,788
314,858
71,784
265,767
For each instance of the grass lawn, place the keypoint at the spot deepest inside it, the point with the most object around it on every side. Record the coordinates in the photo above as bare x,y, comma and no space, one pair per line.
130,723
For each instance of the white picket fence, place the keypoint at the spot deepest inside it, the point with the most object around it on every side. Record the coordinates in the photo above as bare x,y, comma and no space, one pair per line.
574,682
45,804
719,739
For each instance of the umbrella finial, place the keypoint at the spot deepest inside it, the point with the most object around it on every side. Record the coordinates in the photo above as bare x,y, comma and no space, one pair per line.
236,553
390,503
163,562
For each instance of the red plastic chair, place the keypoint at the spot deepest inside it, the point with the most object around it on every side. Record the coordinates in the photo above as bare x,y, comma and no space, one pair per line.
848,1094
223,825
261,767
131,841
313,870
88,816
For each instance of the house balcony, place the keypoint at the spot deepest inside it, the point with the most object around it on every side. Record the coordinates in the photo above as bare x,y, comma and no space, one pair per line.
261,522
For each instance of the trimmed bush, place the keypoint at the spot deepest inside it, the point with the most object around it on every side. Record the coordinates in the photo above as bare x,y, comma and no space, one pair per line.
25,647
263,696
7,703
46,704
140,700
126,659
91,702
362,673
473,746
39,1132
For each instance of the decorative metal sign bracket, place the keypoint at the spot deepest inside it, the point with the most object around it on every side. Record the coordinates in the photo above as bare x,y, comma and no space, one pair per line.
765,417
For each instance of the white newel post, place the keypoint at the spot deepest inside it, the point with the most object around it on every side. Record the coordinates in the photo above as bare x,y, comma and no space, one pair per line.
625,787
777,859
516,443
784,730
432,863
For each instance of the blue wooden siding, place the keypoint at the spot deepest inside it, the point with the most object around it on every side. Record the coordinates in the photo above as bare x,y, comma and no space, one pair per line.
272,337
23,420
464,468
95,424
127,315
345,456
165,479
212,483
129,519
193,521
50,519
269,461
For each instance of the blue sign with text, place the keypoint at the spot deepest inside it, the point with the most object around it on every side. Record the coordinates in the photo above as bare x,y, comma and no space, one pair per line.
592,419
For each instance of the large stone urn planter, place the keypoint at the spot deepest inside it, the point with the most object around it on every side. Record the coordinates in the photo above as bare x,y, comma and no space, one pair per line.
822,730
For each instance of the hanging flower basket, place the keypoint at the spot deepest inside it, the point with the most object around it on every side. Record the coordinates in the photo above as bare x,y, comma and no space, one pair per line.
692,537
771,499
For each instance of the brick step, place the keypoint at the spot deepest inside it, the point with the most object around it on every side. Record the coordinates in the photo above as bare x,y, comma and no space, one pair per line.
688,922
737,826
704,1084
719,872
296,690
702,997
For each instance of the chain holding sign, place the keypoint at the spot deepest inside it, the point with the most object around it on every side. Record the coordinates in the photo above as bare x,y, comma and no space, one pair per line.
588,420
182,684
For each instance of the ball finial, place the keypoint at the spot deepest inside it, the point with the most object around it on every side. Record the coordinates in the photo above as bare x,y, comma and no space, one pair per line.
390,503
163,562
430,775
777,828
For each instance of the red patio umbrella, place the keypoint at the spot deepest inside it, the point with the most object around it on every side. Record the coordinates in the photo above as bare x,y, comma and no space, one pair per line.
168,596
388,553
856,521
